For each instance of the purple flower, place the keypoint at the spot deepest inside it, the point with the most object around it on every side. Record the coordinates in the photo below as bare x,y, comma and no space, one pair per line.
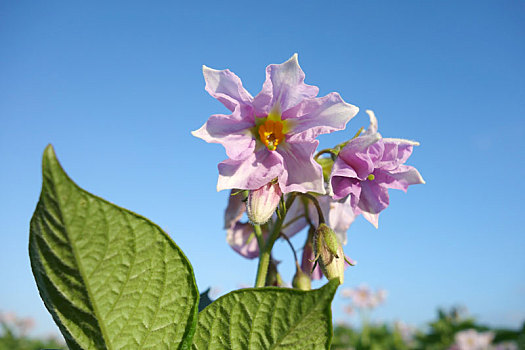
368,166
272,135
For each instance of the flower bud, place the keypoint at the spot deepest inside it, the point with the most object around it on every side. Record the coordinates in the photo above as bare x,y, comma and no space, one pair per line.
301,280
329,253
262,203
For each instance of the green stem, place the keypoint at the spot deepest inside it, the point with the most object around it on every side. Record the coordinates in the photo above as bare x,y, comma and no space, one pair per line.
262,268
285,237
258,234
317,206
325,151
264,253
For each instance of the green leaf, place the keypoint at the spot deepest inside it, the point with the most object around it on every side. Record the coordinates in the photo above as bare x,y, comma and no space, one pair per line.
110,278
268,318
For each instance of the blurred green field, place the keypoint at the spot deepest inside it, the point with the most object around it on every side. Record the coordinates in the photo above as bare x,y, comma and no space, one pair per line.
450,330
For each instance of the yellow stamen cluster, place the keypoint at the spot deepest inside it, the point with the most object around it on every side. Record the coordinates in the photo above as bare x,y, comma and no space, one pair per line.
371,177
271,133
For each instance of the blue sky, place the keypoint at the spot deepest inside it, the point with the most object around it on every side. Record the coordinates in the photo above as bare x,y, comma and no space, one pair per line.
117,87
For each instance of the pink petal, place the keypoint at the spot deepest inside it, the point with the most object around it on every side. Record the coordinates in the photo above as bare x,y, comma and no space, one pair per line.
285,85
372,128
242,239
400,178
256,170
360,155
396,152
340,217
295,219
316,116
234,135
344,186
371,218
307,263
226,87
301,172
374,197
342,169
234,210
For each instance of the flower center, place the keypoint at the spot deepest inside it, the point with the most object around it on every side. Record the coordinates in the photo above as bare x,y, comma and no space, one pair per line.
371,177
271,133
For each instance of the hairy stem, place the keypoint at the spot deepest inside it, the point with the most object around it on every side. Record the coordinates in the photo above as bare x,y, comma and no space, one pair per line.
285,237
266,250
258,234
317,206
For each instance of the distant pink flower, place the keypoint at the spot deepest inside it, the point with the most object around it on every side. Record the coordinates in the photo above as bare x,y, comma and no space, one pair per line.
381,295
25,324
8,317
471,339
406,331
363,297
272,135
22,325
368,166
348,309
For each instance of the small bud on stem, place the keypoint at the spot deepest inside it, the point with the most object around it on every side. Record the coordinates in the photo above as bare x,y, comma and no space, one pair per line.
301,280
262,203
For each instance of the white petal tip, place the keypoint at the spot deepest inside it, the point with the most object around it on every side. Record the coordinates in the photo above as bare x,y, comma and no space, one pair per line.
206,69
294,59
401,141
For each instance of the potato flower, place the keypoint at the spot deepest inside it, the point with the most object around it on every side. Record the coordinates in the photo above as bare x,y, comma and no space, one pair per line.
368,166
272,135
